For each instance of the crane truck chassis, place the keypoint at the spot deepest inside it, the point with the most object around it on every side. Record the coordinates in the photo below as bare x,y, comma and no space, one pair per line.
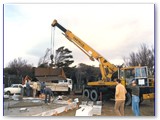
105,86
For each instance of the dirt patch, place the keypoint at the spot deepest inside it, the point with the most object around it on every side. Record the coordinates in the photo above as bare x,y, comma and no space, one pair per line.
25,104
146,109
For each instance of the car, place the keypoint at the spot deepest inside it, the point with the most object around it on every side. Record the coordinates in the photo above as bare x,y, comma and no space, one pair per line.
13,89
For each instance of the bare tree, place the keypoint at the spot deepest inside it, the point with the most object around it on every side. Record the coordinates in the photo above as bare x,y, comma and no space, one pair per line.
17,68
144,57
133,60
44,61
126,61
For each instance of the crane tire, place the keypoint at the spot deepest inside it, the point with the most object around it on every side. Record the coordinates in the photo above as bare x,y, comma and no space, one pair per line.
94,95
86,93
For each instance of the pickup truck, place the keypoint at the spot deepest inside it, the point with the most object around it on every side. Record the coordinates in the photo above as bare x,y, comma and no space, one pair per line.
14,89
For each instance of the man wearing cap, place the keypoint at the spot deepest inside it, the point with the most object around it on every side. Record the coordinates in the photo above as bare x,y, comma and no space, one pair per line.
120,98
135,98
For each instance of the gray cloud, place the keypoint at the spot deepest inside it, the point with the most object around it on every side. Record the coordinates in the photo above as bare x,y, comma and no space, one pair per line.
119,30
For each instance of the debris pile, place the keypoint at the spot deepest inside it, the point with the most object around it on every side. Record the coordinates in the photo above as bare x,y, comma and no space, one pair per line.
30,106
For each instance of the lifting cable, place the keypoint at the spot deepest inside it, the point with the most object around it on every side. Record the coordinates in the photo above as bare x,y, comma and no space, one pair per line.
52,43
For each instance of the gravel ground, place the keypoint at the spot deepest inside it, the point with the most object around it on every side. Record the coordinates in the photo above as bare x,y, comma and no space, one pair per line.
11,108
146,108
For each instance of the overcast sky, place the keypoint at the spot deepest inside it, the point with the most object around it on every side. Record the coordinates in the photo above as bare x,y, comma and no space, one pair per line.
113,30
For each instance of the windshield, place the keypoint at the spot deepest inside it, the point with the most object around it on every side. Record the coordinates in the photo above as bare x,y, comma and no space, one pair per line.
14,85
130,73
141,72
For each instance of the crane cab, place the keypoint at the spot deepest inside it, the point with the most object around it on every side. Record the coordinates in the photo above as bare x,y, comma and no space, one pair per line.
138,73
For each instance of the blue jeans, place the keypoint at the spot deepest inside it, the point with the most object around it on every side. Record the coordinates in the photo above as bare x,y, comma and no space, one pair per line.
42,91
28,92
135,105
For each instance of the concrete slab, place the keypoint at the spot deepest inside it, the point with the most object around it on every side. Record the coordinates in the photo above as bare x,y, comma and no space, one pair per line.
85,111
36,107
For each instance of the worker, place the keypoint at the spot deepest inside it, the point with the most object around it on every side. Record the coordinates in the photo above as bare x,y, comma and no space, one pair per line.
28,88
35,86
42,87
135,98
48,94
120,98
38,89
22,91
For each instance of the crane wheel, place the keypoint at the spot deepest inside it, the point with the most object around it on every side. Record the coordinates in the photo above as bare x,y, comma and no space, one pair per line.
94,95
86,93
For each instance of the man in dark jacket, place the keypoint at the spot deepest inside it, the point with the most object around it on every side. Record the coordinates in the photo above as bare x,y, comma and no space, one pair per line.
42,87
48,93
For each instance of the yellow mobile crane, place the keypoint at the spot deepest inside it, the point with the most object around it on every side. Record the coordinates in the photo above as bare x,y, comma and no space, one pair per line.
93,89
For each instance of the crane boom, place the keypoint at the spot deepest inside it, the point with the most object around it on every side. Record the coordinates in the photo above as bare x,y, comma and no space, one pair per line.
90,52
